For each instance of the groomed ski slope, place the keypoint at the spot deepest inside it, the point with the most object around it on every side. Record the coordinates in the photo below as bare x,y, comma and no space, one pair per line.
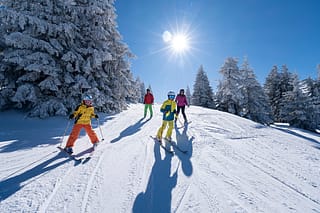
232,165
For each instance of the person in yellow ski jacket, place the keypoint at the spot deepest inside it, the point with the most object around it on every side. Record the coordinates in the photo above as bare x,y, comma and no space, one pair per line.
168,109
82,115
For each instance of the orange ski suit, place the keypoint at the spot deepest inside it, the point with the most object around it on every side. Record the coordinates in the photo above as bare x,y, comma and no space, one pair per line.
82,116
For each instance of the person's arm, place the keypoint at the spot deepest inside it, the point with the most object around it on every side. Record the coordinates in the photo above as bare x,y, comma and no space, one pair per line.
163,107
93,114
75,112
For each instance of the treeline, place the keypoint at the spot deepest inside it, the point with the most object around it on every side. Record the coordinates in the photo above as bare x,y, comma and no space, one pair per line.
283,97
52,52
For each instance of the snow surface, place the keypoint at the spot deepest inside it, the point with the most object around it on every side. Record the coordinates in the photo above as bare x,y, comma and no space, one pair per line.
232,165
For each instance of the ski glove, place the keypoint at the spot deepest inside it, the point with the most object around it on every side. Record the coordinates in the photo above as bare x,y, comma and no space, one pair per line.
96,116
71,116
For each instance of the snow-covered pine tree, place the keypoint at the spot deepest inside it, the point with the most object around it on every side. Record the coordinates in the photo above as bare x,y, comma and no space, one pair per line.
311,92
202,91
255,104
150,88
295,106
56,50
133,91
188,95
287,81
230,92
276,87
141,90
272,90
315,103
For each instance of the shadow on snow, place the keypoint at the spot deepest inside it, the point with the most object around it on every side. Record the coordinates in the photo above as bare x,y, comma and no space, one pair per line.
19,133
185,143
157,196
131,130
316,142
12,185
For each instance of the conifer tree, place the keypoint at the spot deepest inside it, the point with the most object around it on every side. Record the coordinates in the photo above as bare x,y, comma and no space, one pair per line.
294,106
188,95
202,91
272,90
254,105
311,90
141,91
230,89
57,50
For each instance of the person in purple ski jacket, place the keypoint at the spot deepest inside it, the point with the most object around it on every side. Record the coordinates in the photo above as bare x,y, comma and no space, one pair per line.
182,102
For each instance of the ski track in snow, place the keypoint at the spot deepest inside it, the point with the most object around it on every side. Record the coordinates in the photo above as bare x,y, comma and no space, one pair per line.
228,151
232,165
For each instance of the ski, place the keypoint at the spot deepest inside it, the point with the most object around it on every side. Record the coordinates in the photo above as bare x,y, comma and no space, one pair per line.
161,145
89,154
176,146
71,156
83,156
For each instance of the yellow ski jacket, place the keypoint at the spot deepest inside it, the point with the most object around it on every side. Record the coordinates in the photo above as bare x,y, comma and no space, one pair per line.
83,114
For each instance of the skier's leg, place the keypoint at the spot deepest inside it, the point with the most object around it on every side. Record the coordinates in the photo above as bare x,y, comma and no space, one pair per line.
178,110
145,110
160,131
92,135
184,114
150,109
74,135
169,132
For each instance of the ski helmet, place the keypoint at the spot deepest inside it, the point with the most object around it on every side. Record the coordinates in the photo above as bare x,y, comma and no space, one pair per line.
171,95
87,98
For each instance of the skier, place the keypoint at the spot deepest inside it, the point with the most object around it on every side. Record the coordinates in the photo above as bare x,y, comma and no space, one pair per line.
148,101
168,109
82,115
182,102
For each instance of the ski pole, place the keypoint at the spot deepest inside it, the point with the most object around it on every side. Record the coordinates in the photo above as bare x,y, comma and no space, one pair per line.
100,130
64,134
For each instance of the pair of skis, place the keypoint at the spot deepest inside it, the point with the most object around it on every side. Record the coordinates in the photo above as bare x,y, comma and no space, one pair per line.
80,157
167,149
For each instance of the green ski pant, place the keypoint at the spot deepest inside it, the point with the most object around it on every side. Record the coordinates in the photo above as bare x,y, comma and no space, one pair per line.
146,106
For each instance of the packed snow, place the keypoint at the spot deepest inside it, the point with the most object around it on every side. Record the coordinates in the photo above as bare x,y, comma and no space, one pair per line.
232,165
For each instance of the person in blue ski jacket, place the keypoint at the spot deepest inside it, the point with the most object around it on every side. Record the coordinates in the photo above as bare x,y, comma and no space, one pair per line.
168,108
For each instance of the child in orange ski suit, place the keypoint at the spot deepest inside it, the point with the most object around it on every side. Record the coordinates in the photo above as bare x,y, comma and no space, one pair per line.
82,115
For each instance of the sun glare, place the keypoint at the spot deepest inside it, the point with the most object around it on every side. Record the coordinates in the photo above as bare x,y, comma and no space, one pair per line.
179,43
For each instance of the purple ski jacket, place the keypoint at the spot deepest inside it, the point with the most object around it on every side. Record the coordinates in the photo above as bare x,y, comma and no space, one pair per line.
181,100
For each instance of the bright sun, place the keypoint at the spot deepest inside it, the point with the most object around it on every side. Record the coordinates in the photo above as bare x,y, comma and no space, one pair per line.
178,43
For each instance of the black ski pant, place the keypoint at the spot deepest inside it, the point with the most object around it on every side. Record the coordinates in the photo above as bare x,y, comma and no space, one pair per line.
182,111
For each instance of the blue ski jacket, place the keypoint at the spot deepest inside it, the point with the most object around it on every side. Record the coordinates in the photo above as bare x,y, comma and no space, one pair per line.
168,109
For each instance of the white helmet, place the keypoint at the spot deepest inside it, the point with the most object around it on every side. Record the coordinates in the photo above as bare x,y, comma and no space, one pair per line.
87,98
171,95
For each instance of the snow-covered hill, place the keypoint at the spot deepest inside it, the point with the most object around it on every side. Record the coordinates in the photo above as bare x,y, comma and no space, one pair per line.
232,165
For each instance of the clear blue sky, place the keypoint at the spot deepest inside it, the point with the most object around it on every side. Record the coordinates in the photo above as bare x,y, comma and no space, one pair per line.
267,32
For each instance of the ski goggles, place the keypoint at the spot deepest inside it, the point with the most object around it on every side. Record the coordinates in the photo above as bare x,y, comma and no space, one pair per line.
171,96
